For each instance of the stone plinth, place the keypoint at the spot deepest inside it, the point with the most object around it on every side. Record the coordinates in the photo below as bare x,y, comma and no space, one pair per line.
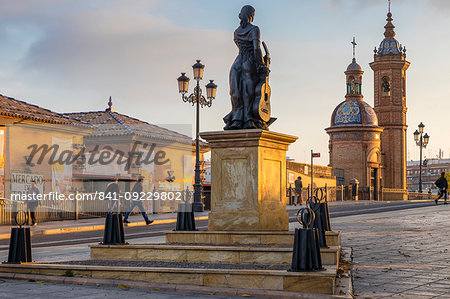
248,180
323,282
221,254
242,237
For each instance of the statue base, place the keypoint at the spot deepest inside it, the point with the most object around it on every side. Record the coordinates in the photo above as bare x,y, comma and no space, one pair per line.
248,180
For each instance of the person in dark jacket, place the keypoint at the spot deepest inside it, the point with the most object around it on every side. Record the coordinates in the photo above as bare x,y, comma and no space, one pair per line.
298,190
136,202
33,201
442,184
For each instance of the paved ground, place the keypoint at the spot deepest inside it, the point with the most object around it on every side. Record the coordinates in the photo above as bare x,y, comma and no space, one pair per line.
38,289
74,245
400,254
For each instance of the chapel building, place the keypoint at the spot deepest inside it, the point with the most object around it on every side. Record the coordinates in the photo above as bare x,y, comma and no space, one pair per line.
354,144
367,144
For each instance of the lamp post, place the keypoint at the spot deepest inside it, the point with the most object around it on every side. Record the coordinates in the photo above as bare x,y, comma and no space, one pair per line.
421,141
196,98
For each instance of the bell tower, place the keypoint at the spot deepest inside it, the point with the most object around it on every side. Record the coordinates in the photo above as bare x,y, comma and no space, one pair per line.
389,67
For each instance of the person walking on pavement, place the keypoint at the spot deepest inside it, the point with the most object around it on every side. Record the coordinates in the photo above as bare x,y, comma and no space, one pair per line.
136,202
112,193
33,202
442,184
298,191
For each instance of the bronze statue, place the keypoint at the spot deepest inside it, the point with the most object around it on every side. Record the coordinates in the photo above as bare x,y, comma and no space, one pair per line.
249,78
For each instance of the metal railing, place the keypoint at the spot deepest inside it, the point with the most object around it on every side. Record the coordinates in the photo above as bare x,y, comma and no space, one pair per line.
344,193
74,209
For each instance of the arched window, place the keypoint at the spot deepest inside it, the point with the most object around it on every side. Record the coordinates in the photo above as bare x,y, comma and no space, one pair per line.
386,86
358,86
351,85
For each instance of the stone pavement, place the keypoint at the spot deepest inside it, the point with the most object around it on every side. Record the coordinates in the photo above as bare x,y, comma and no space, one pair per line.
38,289
399,254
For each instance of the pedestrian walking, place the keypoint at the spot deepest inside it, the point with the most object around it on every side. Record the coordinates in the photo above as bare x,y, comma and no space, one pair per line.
136,193
112,193
298,191
442,184
33,202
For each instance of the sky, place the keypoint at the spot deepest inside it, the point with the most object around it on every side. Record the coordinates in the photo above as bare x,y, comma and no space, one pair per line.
71,55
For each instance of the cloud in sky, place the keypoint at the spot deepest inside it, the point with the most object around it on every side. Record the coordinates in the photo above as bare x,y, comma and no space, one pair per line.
117,45
78,57
441,5
354,6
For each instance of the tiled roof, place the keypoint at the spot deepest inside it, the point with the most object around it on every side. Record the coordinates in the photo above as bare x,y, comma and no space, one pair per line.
23,110
105,123
111,123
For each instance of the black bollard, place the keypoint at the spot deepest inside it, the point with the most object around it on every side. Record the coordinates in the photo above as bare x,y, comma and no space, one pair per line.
185,217
322,196
318,223
306,252
20,241
113,233
325,216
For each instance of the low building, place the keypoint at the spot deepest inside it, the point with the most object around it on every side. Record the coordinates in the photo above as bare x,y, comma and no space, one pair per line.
322,175
431,171
80,153
23,125
163,157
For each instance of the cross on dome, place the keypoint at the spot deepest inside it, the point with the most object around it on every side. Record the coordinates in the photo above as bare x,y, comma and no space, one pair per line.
354,45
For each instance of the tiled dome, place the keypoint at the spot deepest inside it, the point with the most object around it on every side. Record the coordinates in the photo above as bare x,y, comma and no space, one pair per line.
389,46
354,112
354,66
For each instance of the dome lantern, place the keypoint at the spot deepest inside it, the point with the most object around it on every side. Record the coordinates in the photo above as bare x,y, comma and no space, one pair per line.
354,111
354,76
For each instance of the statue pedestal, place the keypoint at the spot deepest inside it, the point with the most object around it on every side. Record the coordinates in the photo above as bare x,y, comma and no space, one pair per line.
248,180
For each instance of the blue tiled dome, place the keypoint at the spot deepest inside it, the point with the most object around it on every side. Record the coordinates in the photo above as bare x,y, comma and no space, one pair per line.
354,113
389,46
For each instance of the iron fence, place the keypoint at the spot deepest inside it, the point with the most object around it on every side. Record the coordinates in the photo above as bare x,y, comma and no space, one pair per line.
76,209
344,193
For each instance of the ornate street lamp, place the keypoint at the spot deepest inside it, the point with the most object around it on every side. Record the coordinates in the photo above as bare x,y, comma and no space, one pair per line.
197,98
421,141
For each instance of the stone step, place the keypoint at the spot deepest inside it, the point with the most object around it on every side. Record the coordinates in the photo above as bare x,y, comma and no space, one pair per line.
206,253
322,282
242,237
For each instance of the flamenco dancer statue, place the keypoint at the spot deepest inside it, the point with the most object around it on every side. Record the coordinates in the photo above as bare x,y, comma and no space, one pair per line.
249,78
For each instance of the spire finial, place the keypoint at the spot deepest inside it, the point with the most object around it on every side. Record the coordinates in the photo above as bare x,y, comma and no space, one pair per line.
389,27
110,103
354,45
